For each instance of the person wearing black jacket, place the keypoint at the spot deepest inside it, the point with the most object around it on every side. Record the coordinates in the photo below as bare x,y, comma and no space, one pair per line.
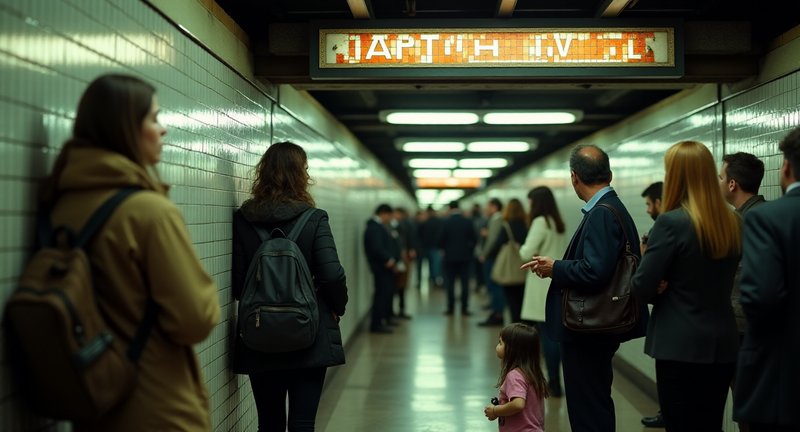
382,255
457,241
279,195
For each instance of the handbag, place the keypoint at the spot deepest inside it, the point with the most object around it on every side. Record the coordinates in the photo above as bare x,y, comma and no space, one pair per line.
613,310
506,266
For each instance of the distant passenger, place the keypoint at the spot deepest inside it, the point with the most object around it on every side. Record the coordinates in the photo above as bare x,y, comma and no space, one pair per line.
279,196
515,221
480,222
588,266
739,178
545,238
142,253
652,200
382,256
497,297
523,388
687,274
457,241
766,395
406,239
428,232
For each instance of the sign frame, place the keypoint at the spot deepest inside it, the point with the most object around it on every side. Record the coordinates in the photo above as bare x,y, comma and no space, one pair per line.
319,29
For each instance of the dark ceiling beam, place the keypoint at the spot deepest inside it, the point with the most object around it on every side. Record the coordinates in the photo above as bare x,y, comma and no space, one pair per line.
505,8
612,8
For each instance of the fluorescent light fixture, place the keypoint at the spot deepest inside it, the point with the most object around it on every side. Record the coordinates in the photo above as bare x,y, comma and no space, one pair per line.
532,117
498,146
432,163
429,117
431,173
483,163
434,146
472,173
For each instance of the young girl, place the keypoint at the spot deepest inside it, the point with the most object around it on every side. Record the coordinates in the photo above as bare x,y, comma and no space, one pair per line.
522,384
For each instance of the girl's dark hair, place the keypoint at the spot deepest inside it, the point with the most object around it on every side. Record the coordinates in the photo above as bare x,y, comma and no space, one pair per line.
522,351
282,175
544,204
109,116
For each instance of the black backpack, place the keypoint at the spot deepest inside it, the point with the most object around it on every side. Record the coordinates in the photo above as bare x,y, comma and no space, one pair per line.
278,308
71,365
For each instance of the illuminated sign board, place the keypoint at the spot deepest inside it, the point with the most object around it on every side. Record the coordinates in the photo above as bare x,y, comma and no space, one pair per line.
561,51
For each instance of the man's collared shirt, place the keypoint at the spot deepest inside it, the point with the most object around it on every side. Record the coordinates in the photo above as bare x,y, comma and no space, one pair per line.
597,196
792,186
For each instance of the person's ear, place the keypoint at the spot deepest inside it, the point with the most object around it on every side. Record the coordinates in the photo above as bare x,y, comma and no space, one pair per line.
657,204
732,185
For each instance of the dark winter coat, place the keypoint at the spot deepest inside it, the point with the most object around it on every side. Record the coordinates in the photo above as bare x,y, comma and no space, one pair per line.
316,243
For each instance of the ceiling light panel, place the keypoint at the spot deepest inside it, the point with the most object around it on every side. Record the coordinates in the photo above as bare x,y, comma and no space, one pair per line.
472,173
432,163
498,146
483,163
433,146
431,173
429,118
533,117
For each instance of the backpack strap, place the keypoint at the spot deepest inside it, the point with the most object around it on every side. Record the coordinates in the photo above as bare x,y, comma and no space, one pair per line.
143,331
301,222
101,215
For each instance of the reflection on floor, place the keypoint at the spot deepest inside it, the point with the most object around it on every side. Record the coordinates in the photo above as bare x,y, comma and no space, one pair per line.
436,373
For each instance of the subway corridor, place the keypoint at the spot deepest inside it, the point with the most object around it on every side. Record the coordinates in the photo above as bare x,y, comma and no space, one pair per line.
436,373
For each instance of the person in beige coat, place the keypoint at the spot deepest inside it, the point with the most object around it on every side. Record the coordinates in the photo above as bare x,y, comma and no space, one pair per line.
143,252
545,238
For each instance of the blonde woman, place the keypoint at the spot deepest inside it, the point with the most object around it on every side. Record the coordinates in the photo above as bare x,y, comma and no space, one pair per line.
687,274
545,238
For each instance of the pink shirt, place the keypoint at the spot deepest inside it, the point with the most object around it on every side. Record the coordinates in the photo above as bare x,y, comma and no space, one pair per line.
531,418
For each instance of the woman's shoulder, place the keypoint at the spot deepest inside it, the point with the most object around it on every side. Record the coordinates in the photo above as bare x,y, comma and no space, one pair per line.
676,216
150,204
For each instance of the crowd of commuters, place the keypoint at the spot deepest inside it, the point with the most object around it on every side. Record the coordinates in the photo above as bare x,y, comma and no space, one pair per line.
722,281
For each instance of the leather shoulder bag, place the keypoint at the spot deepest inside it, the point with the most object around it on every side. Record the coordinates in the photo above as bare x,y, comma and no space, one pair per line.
613,310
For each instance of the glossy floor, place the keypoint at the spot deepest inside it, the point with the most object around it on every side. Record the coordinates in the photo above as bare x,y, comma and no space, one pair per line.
436,373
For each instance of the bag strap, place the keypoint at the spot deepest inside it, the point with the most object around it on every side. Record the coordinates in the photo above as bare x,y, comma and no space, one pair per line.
509,233
265,235
143,331
101,215
621,225
301,222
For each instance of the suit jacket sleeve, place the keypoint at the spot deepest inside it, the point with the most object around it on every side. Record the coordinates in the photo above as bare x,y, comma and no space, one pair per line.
374,246
601,239
495,225
763,265
657,260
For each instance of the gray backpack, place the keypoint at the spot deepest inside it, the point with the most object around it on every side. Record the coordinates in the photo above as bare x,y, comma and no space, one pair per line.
278,308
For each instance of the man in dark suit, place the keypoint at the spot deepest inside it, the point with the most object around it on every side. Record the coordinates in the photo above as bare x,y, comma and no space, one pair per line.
588,266
767,376
380,251
457,241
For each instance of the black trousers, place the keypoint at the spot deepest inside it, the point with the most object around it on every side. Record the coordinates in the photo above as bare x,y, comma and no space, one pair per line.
514,295
459,269
693,395
382,298
587,384
304,388
773,428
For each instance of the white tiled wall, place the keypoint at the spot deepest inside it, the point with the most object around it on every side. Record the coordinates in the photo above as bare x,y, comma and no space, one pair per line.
753,121
218,126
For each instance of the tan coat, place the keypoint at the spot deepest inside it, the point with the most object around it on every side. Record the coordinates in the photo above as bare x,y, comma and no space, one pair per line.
144,249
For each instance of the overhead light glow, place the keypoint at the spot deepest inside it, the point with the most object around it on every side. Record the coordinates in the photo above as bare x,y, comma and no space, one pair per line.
472,173
431,118
483,163
498,146
431,173
433,146
432,163
528,118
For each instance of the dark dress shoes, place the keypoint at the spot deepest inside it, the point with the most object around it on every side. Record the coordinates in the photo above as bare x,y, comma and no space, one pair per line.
656,421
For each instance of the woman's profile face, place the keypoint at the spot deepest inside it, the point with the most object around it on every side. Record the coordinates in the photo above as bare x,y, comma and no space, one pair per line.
150,137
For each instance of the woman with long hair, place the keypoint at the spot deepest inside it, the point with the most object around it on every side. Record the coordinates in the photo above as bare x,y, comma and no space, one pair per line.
279,196
687,274
546,237
515,222
141,255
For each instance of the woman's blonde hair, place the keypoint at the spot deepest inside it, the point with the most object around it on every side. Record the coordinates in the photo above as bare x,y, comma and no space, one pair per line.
691,183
